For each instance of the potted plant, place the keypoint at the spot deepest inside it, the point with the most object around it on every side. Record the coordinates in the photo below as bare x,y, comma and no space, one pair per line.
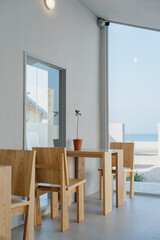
77,142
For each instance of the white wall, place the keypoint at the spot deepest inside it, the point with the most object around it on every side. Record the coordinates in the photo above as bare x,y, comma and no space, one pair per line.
68,37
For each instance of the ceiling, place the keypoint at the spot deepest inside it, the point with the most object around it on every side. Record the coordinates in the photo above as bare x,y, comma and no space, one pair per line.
140,13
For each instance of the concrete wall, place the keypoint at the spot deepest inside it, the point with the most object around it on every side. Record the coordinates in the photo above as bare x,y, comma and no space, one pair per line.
116,132
68,37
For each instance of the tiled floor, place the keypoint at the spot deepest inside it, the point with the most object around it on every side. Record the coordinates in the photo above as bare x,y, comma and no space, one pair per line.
137,219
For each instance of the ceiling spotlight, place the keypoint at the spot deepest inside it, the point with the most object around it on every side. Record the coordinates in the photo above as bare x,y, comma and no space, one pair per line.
50,4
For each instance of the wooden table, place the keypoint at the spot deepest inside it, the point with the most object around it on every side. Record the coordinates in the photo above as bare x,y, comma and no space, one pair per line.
107,173
5,202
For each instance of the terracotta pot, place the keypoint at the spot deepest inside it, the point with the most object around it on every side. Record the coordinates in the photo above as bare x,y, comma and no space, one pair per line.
77,144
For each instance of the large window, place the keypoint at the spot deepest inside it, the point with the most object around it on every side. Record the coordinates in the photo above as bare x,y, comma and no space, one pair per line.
44,104
134,99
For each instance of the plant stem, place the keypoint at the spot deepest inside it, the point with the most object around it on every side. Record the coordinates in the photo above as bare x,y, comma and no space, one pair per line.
77,125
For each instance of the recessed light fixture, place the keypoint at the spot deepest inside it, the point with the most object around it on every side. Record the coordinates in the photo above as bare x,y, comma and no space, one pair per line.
50,4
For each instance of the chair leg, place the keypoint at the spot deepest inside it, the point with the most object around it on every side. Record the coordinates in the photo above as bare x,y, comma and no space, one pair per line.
25,225
64,211
29,223
80,203
69,201
54,204
37,216
124,189
112,185
101,185
132,185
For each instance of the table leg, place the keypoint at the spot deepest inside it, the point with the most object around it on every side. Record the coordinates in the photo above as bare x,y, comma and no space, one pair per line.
80,169
37,209
107,183
119,179
69,175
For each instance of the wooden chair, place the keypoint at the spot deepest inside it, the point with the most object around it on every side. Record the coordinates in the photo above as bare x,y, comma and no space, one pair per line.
128,164
22,185
52,176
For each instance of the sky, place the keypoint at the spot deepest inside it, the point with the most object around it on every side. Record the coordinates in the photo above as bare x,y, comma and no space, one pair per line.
134,78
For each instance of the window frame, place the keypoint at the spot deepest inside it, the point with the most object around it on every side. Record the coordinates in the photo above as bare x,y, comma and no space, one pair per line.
62,98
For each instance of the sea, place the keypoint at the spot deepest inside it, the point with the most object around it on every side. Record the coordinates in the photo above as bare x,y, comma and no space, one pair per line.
141,137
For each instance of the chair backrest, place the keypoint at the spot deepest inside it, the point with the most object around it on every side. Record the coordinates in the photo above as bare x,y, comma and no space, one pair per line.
51,166
128,152
23,167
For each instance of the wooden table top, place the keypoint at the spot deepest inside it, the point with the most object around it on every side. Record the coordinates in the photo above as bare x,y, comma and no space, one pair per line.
90,152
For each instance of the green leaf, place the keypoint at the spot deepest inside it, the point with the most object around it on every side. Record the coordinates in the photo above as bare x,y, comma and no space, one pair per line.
77,113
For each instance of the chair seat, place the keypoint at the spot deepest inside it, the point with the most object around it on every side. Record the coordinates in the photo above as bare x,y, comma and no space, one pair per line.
19,203
101,170
73,183
19,207
128,170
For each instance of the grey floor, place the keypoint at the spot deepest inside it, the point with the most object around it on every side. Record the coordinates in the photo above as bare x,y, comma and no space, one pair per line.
137,219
